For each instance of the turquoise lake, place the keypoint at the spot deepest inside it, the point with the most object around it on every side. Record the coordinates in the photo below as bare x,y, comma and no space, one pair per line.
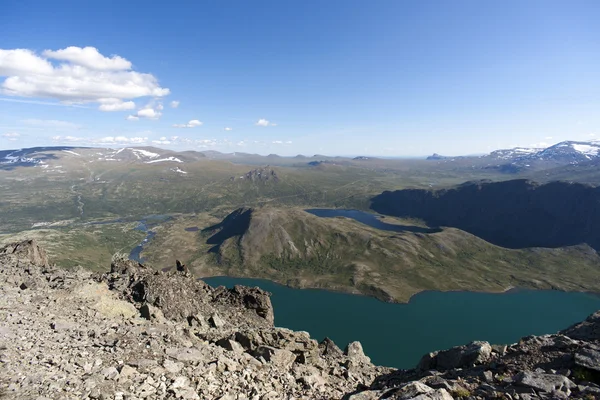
397,335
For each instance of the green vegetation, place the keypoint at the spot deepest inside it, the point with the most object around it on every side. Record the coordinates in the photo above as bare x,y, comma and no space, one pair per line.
296,248
282,243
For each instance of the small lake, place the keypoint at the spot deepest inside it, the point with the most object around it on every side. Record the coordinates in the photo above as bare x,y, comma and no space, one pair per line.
372,220
398,335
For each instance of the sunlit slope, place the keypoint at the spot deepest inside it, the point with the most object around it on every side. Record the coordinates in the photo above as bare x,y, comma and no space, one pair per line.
293,247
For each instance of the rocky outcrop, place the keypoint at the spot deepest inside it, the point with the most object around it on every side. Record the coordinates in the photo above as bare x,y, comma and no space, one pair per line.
556,366
514,214
262,174
27,250
135,333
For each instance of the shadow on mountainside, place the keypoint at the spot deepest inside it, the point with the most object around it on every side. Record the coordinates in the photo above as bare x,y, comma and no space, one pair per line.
514,214
234,224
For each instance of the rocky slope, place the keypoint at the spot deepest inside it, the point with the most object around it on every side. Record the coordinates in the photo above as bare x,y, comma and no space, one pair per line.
134,333
515,214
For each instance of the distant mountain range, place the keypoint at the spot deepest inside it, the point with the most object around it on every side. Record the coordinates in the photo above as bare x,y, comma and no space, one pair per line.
567,152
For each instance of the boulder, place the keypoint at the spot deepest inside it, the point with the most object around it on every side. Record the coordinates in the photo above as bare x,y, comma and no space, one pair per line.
456,357
231,345
27,250
329,349
416,391
545,382
587,330
588,358
354,352
279,357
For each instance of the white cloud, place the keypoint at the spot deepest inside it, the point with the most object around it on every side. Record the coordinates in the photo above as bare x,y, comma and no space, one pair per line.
162,140
264,122
277,142
89,57
51,123
11,135
148,113
115,105
44,103
83,76
120,140
192,124
175,104
132,118
228,128
67,139
23,61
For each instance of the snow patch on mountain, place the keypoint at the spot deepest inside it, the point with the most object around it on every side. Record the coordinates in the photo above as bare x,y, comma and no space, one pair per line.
588,150
144,153
174,159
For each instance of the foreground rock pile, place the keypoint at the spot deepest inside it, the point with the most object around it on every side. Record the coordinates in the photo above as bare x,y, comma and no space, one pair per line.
135,333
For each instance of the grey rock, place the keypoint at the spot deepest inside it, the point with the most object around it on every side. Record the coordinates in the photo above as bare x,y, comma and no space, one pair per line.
27,250
110,373
545,382
328,348
457,357
185,354
279,357
231,345
355,352
172,366
588,358
588,330
61,325
216,321
366,395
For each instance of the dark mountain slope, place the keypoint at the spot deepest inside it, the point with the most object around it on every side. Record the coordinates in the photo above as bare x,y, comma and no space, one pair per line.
515,214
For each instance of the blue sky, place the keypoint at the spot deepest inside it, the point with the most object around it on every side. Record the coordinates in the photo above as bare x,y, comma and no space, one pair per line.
387,78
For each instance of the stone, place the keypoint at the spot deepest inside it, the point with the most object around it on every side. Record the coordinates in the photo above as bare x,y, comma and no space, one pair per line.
231,345
278,357
354,352
366,395
329,349
185,354
110,373
457,357
215,321
179,382
127,372
545,382
28,250
588,330
588,358
172,366
61,325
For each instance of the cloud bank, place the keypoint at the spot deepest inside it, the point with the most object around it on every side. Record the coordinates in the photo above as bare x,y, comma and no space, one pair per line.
76,75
